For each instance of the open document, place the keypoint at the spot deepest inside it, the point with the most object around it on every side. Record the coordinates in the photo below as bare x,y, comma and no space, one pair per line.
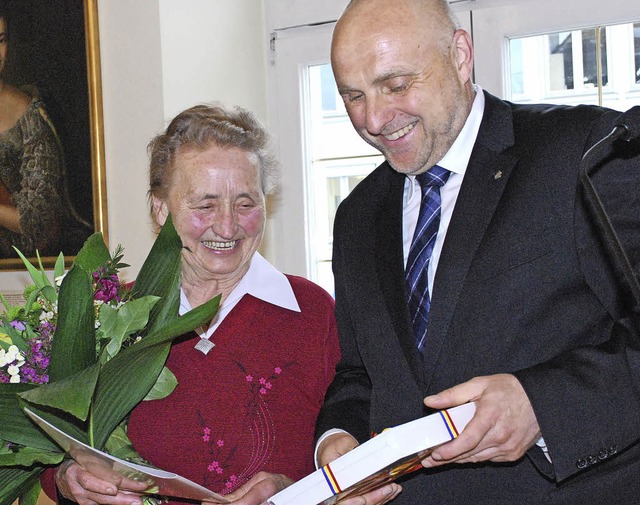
160,482
394,452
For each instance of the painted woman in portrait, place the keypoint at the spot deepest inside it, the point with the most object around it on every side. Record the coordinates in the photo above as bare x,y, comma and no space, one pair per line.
35,210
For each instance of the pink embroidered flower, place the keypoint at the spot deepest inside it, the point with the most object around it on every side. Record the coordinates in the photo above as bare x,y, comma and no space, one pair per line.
263,391
206,438
220,442
214,466
268,385
278,370
219,470
249,378
207,431
263,380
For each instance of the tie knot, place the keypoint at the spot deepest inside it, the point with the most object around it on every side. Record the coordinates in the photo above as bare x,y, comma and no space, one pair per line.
435,176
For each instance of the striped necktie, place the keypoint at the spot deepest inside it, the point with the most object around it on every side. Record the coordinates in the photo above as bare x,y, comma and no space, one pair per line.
424,238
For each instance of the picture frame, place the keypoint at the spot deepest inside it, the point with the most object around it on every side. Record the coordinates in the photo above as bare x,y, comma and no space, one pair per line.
53,48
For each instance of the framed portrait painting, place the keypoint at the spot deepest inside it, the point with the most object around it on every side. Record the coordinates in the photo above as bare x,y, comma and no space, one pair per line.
52,175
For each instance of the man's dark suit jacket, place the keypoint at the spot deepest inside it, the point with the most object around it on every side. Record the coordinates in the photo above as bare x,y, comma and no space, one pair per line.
523,286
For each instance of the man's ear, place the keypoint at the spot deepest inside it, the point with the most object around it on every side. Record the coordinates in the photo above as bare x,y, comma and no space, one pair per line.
160,210
463,47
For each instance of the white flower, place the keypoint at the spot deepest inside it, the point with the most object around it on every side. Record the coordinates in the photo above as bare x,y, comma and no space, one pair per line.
13,369
4,359
58,280
15,379
13,352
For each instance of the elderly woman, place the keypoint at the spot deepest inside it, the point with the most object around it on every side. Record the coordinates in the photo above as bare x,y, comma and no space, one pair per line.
35,210
251,384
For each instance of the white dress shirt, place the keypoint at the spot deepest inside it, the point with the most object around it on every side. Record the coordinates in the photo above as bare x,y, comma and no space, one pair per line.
456,161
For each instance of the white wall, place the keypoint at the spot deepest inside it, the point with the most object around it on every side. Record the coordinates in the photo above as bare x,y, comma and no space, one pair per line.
159,57
214,50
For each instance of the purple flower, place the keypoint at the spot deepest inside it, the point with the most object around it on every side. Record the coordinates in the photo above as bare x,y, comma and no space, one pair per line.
18,325
107,288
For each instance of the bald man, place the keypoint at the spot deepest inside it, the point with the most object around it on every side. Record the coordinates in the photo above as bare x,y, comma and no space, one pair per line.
527,316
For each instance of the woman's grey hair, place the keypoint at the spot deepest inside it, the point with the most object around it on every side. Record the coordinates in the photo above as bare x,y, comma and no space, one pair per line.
202,126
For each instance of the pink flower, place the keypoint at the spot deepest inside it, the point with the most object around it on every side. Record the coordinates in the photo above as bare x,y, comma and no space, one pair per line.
263,380
278,370
206,438
268,385
214,466
220,443
249,378
263,391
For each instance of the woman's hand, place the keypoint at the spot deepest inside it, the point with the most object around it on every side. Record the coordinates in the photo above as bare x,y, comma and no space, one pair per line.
258,489
94,482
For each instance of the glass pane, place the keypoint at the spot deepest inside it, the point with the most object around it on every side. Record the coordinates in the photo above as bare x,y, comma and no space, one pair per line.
339,160
599,65
590,57
636,45
561,61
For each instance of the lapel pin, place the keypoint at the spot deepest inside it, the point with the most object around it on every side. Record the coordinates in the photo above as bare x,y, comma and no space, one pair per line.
498,174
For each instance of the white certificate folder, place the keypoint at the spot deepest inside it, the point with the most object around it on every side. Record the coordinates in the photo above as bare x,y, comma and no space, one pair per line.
380,460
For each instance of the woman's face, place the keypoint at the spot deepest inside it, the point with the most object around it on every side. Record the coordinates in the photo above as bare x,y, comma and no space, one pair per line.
3,43
218,208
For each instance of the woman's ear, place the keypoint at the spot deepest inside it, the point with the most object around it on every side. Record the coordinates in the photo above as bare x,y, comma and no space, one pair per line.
160,210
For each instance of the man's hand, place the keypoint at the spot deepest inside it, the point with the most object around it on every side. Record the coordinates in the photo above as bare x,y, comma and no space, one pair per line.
258,489
95,483
503,428
335,446
338,444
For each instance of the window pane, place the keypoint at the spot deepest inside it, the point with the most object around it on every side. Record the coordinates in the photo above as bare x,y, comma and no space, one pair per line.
339,160
636,44
590,57
560,61
599,65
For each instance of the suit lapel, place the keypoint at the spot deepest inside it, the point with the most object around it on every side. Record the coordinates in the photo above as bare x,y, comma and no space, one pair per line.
484,181
390,271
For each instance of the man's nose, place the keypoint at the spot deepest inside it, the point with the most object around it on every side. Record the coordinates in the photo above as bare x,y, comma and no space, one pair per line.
376,114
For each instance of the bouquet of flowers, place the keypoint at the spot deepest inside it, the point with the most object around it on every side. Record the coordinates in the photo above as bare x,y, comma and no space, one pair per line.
83,351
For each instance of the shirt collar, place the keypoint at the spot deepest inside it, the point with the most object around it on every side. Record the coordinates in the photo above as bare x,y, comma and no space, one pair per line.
459,154
263,281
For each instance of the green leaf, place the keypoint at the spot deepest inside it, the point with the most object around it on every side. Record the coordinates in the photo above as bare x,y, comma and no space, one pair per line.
164,386
129,376
160,276
30,497
14,425
72,394
93,255
16,338
74,342
58,268
15,481
117,324
28,456
39,277
118,442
